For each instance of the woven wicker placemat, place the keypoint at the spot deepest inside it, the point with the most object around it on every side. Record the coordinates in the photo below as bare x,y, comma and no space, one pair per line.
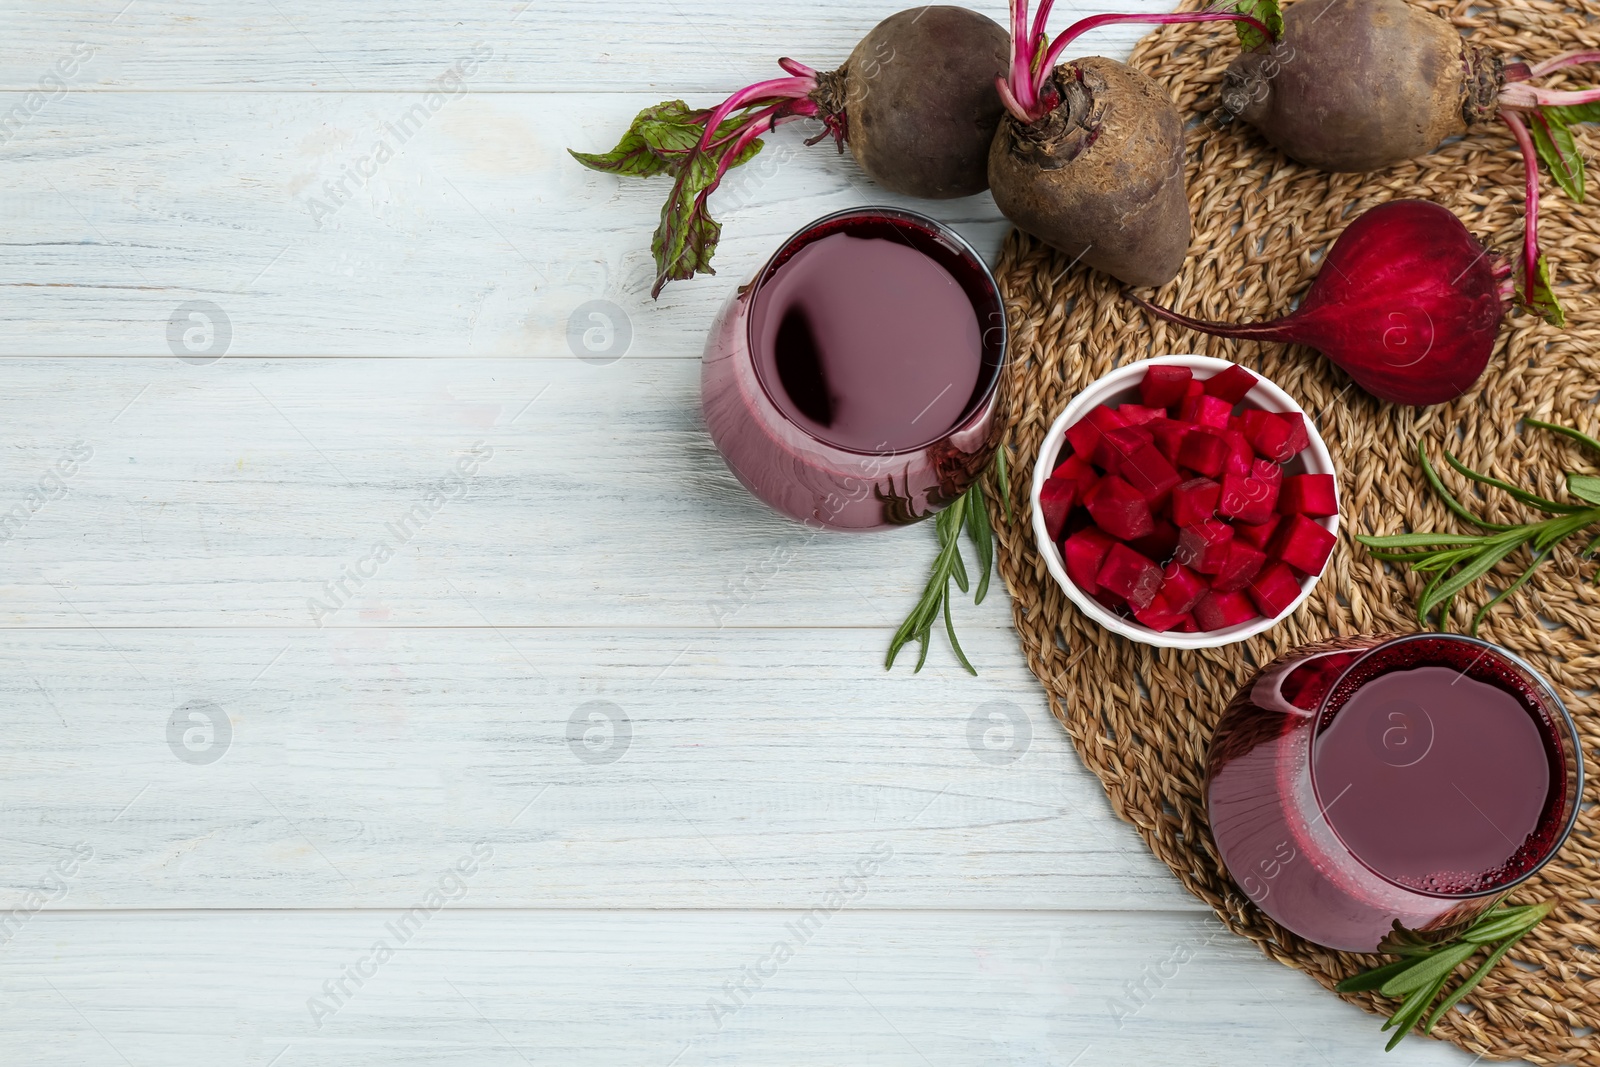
1141,717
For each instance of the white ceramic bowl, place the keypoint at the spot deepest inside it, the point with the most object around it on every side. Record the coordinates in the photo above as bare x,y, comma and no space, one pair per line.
1121,386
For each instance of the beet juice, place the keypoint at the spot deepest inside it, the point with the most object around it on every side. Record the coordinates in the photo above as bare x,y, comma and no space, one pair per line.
1365,784
852,384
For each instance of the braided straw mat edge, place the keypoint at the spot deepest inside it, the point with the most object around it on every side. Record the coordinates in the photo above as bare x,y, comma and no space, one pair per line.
1141,717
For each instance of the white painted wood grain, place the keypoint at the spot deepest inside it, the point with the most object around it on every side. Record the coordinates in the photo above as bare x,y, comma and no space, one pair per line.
628,988
230,494
481,236
750,766
673,47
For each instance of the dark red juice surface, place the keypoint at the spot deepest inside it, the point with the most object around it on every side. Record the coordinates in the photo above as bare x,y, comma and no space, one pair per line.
867,343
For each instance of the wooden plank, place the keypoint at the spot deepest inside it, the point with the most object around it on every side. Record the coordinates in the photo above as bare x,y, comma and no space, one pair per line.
487,988
232,494
479,236
656,768
681,46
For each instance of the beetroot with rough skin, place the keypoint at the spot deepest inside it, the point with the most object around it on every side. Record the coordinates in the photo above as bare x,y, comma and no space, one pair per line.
1407,302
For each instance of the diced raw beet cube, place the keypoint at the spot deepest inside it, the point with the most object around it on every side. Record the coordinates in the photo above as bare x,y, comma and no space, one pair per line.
1274,589
1218,611
1269,435
1302,544
1080,470
1085,434
1268,472
1159,543
1138,414
1299,436
1119,509
1188,625
1116,445
1169,435
1204,546
1205,410
1164,385
1181,587
1148,471
1230,385
1241,457
1083,553
1257,534
1055,503
1131,576
1159,617
1190,391
1243,563
1194,501
1309,494
1112,603
1247,499
1203,450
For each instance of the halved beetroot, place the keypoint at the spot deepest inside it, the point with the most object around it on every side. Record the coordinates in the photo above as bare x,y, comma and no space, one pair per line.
1194,501
1133,577
1085,434
1148,471
1309,494
1083,553
1164,385
1160,617
1119,509
1206,410
1203,450
1218,611
1181,587
1159,543
1230,385
1204,546
1274,589
1169,434
1256,534
1138,414
1244,563
1302,544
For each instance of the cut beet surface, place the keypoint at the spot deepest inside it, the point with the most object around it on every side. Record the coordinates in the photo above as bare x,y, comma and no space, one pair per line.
1218,611
1083,553
1302,544
1231,384
1148,471
1181,587
1274,589
1309,494
1205,410
1169,434
1131,576
1117,445
1086,433
1257,535
1119,509
1055,502
1164,385
1204,546
1159,543
1160,617
1138,414
1244,562
1194,501
1204,451
1247,499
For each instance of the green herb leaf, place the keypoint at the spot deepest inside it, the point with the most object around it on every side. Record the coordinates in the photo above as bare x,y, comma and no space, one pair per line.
1413,540
1505,922
1531,499
1370,980
1471,982
966,512
1540,297
1584,487
1566,431
1428,970
982,544
1267,13
1410,1011
1553,141
1573,114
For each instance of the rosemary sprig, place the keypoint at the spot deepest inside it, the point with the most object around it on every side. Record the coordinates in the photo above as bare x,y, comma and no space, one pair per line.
1458,560
1421,973
969,510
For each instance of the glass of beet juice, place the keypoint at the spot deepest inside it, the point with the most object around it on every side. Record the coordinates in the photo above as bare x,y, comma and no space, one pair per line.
852,384
1369,786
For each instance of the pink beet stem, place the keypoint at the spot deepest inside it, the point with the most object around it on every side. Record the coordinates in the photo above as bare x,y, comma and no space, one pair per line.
1566,59
1522,95
1530,224
798,69
1273,330
1023,48
778,89
1083,26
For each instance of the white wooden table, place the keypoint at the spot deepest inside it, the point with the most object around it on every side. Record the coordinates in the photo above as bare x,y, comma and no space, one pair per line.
599,734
